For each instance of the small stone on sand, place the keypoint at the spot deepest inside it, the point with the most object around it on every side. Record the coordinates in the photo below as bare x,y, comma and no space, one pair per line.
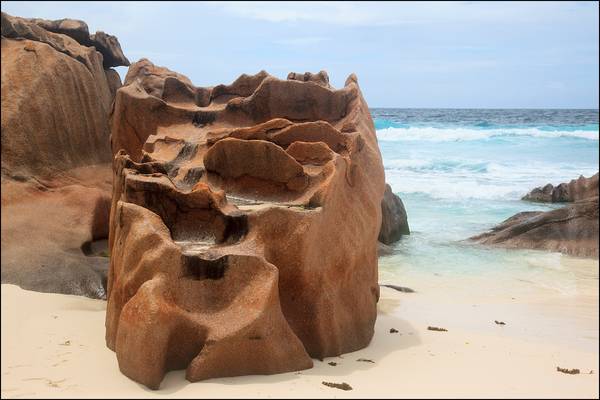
343,385
573,371
365,360
435,328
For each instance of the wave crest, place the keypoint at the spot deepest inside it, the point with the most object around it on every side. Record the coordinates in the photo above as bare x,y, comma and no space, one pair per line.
463,134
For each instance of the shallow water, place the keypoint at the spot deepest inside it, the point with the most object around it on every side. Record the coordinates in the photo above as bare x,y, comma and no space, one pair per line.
460,172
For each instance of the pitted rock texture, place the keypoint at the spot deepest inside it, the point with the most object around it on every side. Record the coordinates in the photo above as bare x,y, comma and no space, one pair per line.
244,225
56,157
577,189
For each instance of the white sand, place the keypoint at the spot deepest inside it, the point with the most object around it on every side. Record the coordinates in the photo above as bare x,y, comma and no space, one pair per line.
53,346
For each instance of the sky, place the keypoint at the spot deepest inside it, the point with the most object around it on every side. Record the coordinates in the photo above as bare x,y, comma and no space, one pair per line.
405,54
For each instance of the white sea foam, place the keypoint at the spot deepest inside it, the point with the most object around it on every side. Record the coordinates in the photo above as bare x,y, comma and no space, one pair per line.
476,179
460,134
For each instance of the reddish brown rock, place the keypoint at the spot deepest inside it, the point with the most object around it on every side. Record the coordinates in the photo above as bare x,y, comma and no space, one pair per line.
107,45
56,175
317,153
320,78
74,28
228,255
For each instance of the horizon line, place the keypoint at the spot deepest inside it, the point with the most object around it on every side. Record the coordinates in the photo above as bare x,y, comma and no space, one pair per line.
489,108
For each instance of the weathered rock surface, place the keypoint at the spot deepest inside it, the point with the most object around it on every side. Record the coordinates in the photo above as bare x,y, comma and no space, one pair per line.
229,255
110,48
394,222
320,78
56,175
571,230
577,189
107,45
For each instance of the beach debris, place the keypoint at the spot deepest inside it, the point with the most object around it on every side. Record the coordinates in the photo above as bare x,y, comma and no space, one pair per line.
52,383
573,371
435,328
365,360
332,363
66,343
499,322
392,330
591,372
343,385
400,288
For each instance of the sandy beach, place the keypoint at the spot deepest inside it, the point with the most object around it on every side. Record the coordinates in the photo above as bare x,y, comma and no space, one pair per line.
53,346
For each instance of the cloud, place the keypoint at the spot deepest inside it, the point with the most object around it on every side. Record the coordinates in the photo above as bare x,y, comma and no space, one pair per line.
373,13
339,13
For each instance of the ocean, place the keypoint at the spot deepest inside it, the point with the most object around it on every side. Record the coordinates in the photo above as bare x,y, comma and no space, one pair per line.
459,172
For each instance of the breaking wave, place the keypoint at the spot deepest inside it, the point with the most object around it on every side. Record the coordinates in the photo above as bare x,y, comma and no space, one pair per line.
466,133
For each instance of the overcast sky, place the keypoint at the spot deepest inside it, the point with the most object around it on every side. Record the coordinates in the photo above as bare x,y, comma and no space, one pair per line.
438,54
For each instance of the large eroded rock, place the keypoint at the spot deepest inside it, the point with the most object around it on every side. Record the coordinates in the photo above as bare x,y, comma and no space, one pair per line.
56,174
244,224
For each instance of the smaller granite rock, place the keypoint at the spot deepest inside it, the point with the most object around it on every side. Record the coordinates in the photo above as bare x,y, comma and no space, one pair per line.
110,48
394,221
577,189
74,28
570,230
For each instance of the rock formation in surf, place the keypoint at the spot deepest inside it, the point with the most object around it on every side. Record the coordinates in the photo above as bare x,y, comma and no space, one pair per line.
244,224
56,175
394,222
572,229
577,189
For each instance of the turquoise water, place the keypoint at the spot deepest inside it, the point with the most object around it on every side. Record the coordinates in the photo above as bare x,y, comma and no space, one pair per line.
460,172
